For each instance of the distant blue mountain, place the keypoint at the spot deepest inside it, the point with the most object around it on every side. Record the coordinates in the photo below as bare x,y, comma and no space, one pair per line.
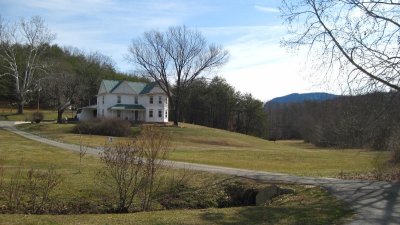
295,97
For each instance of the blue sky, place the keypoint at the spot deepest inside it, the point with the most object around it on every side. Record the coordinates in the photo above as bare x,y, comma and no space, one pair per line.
250,29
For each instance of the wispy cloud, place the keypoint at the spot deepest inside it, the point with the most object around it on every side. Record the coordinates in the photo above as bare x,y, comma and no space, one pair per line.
266,9
257,64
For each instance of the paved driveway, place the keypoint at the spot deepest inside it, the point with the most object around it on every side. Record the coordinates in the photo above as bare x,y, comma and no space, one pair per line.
374,202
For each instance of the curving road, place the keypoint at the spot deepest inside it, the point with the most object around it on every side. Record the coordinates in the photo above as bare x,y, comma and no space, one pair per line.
374,202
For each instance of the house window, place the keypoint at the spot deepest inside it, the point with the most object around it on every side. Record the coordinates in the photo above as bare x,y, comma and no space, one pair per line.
160,113
166,113
150,113
151,100
118,113
102,112
166,100
103,100
118,99
136,100
159,100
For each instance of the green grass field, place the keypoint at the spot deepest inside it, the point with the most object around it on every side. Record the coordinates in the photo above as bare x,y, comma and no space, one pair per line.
11,114
310,205
200,144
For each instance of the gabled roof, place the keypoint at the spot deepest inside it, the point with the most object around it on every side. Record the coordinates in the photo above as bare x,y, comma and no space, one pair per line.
148,88
138,87
110,84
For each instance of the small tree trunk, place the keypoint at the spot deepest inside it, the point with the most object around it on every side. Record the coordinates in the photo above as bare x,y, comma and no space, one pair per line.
20,108
176,106
21,103
59,115
176,112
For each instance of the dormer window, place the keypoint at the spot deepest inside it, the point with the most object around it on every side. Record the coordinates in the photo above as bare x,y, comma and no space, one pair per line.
103,100
136,100
118,99
151,100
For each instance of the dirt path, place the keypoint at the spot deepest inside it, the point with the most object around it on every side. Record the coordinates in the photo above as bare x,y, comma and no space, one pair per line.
374,202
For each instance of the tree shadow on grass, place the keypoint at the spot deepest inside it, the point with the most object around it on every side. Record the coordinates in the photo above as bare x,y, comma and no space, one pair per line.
278,215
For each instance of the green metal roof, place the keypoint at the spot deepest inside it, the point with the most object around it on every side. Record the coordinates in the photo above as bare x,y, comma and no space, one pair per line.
119,82
138,87
148,88
126,107
110,84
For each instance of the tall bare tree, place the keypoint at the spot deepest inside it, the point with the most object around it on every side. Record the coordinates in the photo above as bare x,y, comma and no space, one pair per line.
21,48
175,58
63,89
360,37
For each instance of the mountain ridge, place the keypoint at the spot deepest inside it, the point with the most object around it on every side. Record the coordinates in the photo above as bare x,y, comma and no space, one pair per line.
301,97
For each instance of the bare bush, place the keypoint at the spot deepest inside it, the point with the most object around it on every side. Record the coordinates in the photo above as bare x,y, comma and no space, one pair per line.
38,186
124,165
29,192
82,152
155,146
36,117
134,167
14,190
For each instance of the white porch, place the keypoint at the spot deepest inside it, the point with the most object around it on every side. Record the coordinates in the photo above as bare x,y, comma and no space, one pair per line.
131,112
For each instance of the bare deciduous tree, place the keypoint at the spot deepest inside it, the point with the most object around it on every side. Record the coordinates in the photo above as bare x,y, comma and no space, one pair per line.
359,37
63,88
21,48
175,58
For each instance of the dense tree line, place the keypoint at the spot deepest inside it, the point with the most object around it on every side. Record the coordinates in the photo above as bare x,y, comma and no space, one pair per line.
72,78
217,104
365,121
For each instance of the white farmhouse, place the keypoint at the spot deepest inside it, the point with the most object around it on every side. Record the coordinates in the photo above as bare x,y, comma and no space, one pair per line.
133,101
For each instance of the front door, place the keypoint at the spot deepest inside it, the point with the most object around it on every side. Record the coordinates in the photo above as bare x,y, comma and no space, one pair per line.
136,115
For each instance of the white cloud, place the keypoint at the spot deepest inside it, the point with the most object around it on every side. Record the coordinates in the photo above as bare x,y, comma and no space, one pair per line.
266,9
259,65
265,70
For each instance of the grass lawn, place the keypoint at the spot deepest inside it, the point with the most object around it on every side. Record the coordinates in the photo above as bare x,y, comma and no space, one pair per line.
200,144
309,205
11,114
274,215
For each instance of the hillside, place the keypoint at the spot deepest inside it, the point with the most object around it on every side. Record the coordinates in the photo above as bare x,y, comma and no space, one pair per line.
296,97
198,144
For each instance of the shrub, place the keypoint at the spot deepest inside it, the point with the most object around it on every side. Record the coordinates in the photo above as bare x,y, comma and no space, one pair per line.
124,166
30,192
37,117
183,196
107,127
